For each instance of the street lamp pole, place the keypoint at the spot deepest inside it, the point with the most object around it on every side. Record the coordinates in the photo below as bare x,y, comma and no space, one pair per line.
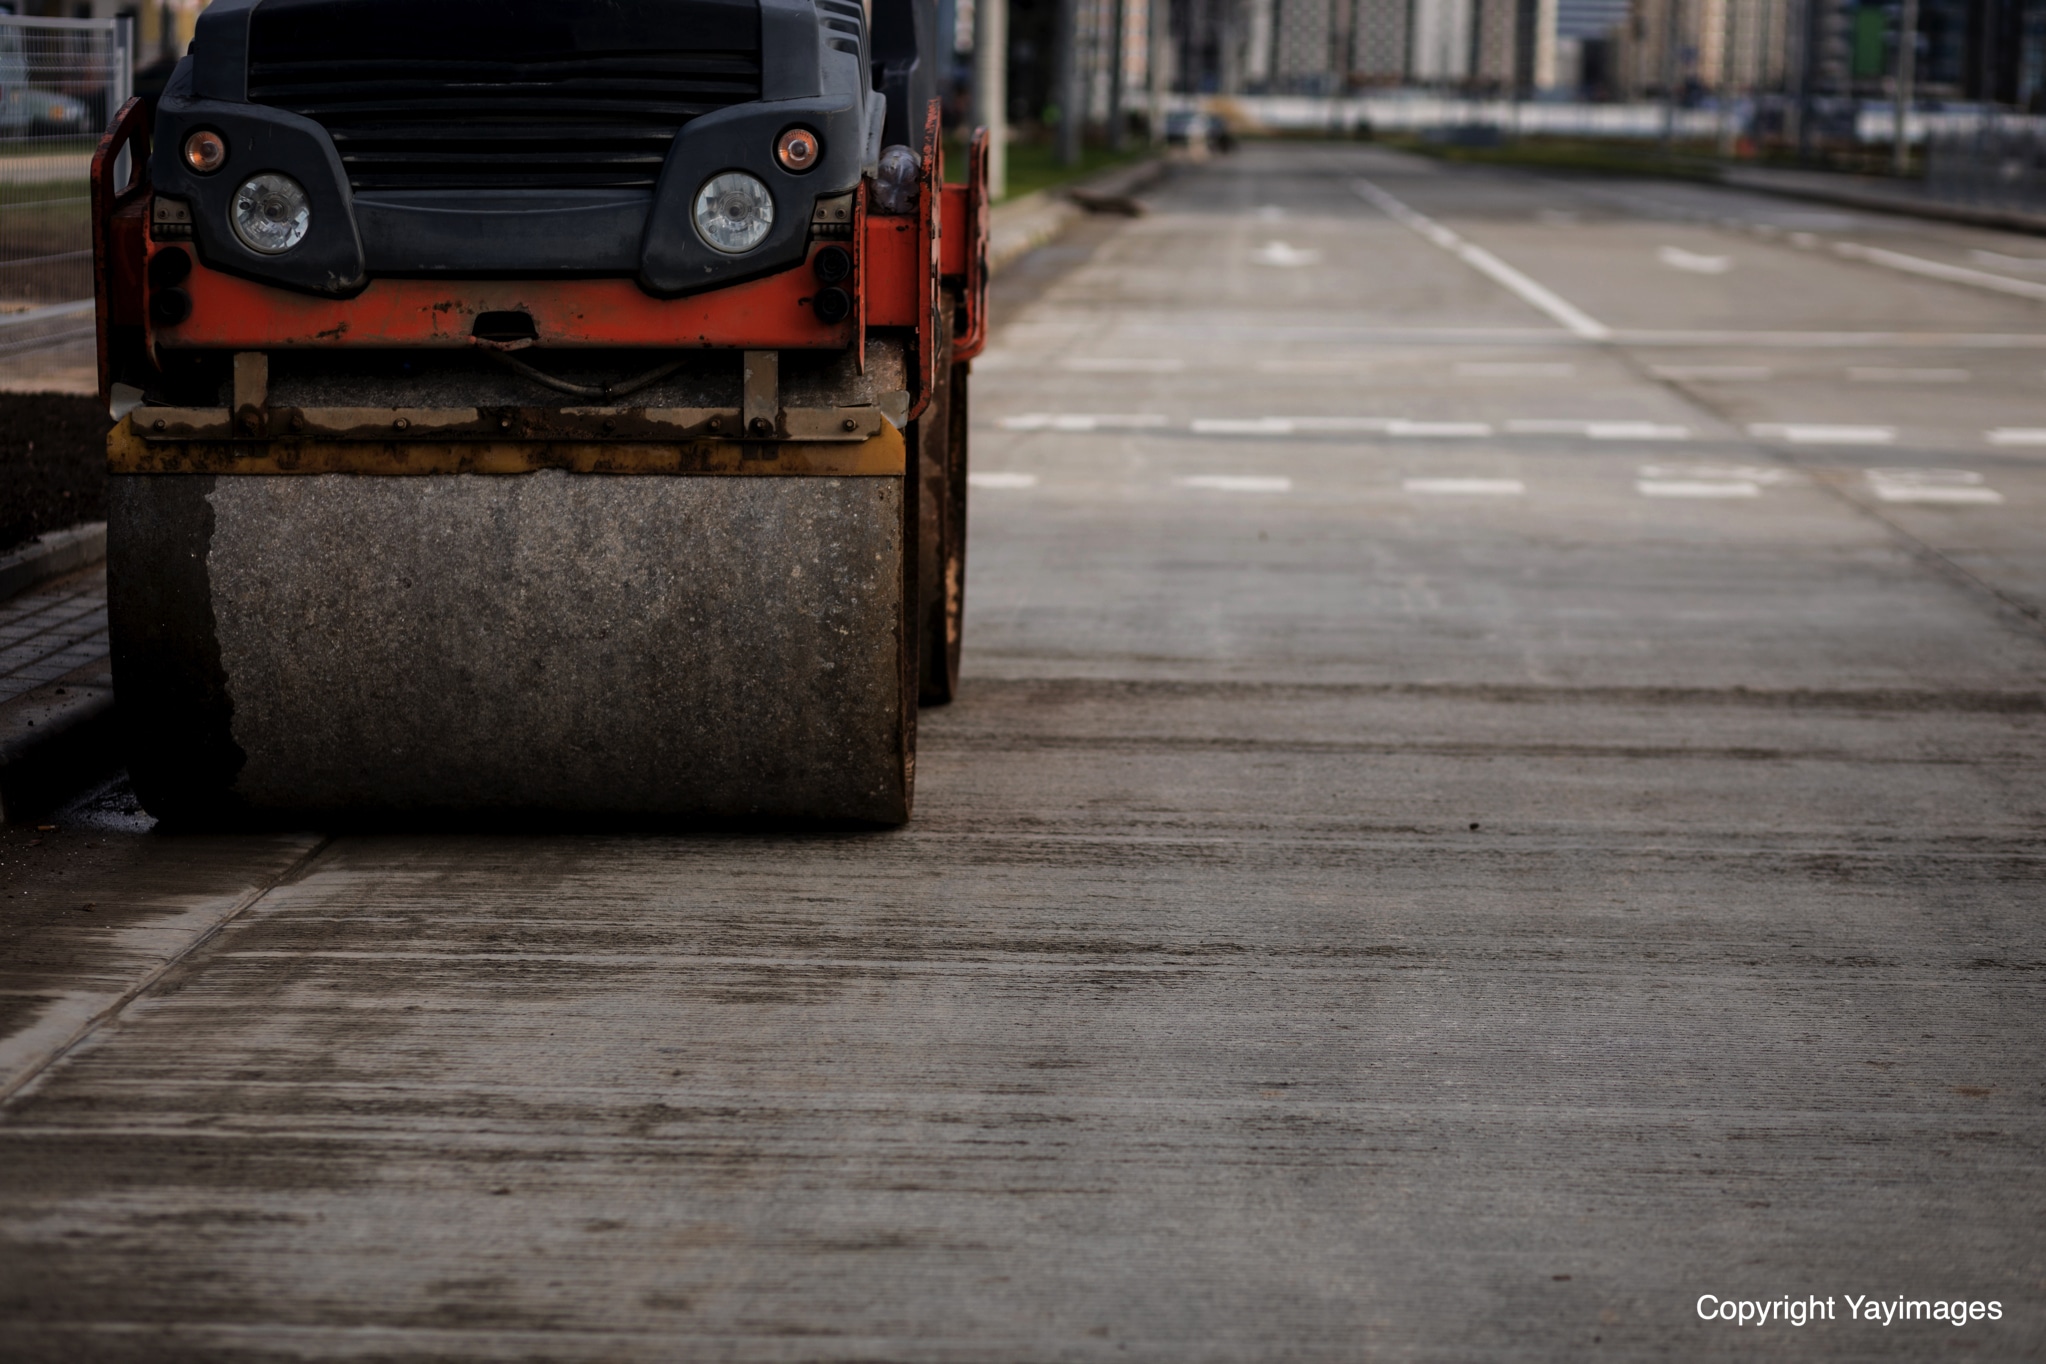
991,88
1907,70
1159,13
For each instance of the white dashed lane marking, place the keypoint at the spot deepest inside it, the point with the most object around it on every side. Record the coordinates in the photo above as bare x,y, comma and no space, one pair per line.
1302,426
1801,433
1716,374
1513,369
1703,482
1950,486
1285,257
1707,480
1314,366
1466,487
1236,483
1696,487
1084,421
1601,430
1869,374
1124,364
1611,429
1676,258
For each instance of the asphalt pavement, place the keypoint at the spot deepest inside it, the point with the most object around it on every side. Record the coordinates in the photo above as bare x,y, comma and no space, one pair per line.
1496,793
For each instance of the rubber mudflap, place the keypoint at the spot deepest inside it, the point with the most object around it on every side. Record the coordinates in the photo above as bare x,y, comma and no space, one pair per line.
541,644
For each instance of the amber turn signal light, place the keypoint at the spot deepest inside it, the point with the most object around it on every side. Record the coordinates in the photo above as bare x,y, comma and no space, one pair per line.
205,151
796,149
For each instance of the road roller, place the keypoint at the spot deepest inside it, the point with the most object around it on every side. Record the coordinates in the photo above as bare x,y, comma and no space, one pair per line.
542,409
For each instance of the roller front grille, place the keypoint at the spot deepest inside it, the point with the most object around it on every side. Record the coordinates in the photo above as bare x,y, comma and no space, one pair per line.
581,121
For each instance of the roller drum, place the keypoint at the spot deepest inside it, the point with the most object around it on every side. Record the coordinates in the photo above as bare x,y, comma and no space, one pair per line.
667,647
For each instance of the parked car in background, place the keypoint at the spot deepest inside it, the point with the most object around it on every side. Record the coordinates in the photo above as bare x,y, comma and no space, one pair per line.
1188,127
25,110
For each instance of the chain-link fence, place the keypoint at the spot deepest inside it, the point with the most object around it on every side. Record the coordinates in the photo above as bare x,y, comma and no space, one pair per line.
61,81
1998,163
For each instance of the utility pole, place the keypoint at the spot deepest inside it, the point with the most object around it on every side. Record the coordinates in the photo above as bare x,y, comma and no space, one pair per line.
1159,15
1066,41
1729,67
1907,70
991,88
1118,50
1672,38
1806,68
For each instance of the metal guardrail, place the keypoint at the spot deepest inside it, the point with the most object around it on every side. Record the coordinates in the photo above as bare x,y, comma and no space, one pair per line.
1862,122
61,81
1997,163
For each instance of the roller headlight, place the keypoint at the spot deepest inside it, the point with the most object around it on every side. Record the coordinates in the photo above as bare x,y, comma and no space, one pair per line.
270,213
733,212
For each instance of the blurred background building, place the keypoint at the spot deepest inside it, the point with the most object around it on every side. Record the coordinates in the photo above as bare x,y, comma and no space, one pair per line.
1830,60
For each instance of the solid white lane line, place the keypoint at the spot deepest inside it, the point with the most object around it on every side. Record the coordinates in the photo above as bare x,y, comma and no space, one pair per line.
1933,269
1485,263
1870,374
998,479
1236,483
1806,433
2016,435
1083,421
1713,373
1466,487
1670,487
1602,430
1124,364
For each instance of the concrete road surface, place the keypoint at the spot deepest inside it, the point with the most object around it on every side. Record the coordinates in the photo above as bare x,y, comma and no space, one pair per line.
1497,793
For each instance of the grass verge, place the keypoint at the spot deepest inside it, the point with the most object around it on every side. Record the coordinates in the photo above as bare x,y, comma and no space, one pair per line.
1035,165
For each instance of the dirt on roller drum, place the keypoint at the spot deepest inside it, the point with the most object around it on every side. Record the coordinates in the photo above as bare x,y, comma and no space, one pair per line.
52,464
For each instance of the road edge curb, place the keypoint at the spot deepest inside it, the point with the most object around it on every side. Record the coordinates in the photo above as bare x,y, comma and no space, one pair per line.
1847,196
52,555
1020,226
